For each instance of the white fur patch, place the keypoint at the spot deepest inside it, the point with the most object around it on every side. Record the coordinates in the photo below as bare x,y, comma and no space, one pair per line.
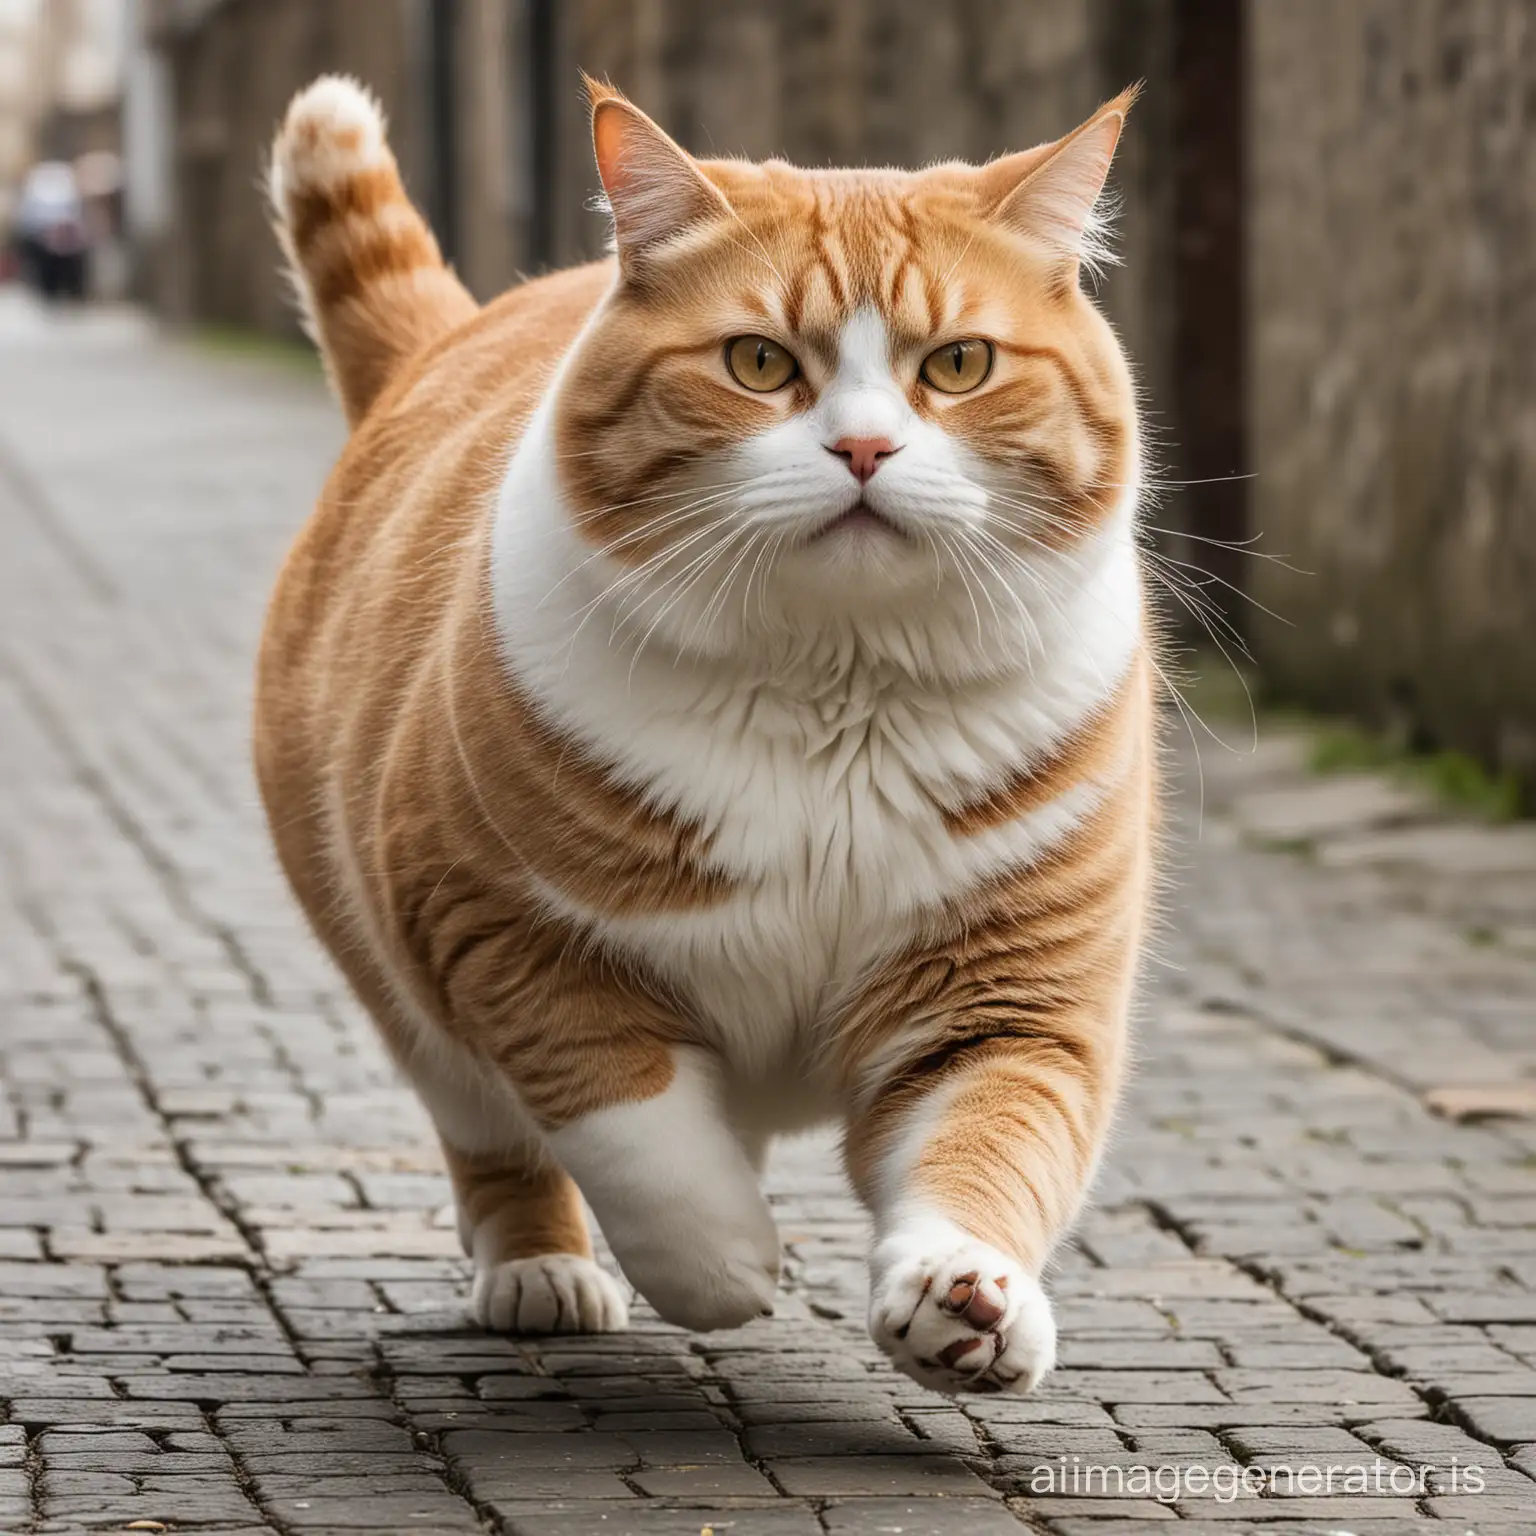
549,1293
913,1272
333,129
863,399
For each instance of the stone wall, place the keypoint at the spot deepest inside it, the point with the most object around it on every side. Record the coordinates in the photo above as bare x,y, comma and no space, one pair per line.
1392,396
233,67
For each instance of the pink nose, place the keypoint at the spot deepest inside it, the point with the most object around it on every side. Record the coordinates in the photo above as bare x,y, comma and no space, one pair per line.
864,455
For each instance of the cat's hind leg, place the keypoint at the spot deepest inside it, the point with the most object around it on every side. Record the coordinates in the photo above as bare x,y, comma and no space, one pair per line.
588,1062
522,1224
521,1220
677,1196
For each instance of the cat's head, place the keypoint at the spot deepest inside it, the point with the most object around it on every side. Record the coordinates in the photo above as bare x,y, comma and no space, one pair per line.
845,398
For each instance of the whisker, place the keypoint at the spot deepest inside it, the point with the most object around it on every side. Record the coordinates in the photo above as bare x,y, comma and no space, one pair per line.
702,622
966,583
1189,565
1234,546
632,578
653,526
640,501
969,545
1204,613
702,563
1190,716
770,543
1023,569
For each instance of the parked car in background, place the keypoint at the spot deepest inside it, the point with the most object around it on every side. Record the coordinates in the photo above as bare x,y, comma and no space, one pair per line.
50,233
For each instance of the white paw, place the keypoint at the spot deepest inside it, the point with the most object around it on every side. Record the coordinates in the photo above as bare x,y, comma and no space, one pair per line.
701,1282
957,1314
551,1293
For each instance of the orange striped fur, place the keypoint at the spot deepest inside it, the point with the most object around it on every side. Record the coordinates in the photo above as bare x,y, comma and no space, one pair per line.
374,288
670,762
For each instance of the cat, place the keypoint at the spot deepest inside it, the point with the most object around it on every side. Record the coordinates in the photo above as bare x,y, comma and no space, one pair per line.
712,697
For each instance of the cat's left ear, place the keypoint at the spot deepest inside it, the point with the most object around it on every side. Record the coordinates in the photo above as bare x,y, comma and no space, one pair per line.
655,189
1050,194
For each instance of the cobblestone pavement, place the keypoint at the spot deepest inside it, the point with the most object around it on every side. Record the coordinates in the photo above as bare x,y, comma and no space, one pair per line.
230,1296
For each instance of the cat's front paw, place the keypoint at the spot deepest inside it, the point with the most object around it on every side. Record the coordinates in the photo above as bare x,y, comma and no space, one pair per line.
956,1314
549,1293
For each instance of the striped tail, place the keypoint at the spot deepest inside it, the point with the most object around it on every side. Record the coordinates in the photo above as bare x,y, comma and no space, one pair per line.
366,268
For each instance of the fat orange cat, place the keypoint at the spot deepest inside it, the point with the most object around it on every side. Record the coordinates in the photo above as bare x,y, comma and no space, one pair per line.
712,697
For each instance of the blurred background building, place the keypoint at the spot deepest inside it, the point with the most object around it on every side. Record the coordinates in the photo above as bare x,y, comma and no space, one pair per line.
61,72
60,87
1328,207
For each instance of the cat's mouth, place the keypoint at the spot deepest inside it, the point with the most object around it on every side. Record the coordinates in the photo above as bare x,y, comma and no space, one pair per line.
858,521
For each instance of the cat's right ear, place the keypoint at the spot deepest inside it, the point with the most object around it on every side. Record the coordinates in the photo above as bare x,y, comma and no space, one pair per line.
655,189
1051,194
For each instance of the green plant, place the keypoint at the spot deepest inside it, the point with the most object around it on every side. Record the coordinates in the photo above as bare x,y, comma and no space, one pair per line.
1453,777
245,345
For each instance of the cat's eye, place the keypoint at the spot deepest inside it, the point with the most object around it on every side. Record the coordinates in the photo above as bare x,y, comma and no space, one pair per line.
759,364
958,367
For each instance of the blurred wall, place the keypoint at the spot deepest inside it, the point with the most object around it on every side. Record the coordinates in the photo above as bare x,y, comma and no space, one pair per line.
231,66
1392,398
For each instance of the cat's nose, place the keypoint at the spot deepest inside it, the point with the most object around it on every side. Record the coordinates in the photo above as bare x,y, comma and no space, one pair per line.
863,455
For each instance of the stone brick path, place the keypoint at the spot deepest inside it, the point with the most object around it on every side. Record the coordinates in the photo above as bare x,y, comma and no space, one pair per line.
230,1297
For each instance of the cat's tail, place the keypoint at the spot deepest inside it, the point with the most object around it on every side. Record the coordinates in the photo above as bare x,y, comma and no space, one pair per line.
367,270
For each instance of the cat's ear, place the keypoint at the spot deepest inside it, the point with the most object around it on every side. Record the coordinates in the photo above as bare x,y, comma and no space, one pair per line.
1051,194
654,187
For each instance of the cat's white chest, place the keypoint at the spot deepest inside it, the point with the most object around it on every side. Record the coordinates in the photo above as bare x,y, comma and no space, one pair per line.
825,815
